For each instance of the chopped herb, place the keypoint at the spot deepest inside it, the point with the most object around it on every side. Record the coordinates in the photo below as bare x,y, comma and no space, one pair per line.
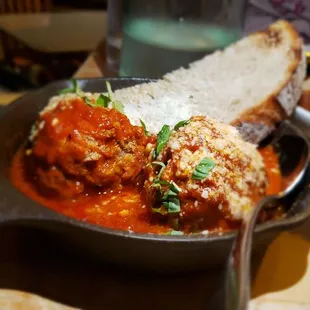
172,205
162,139
202,170
77,88
175,233
74,89
169,193
115,104
144,127
163,166
181,124
171,200
103,101
175,188
163,182
159,183
109,89
118,106
89,102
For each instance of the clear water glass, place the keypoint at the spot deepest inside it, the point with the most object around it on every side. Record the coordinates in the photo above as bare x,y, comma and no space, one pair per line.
150,38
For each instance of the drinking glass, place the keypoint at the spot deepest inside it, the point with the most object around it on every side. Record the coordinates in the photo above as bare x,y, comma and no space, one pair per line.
150,38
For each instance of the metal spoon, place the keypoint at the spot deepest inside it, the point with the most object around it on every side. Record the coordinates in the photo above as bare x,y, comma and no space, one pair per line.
294,157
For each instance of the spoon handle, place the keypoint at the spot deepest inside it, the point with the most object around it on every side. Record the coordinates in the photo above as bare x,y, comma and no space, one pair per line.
238,277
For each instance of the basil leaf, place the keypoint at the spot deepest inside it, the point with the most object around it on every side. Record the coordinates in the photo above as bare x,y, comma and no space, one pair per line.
162,139
172,205
165,183
175,233
103,101
89,102
118,106
76,86
181,124
175,188
169,193
202,170
109,89
163,166
74,89
144,127
171,200
158,183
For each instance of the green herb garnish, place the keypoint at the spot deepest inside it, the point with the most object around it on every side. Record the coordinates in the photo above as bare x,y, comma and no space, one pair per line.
202,170
144,127
162,139
109,89
174,233
170,199
175,188
103,101
159,183
169,193
118,106
163,166
115,104
172,205
89,102
181,124
74,89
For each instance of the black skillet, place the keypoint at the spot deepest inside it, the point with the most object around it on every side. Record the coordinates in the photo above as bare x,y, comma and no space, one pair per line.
138,251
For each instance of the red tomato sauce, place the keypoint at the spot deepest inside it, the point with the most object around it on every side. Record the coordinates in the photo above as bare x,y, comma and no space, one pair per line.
123,209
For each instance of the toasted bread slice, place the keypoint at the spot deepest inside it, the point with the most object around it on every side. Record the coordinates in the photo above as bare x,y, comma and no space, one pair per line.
252,84
305,96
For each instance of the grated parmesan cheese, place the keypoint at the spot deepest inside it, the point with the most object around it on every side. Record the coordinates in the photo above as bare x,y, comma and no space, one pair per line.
237,179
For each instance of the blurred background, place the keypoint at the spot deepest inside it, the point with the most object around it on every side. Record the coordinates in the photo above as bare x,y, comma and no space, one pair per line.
46,40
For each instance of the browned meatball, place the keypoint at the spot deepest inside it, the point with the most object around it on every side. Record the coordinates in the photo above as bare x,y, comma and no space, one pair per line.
76,145
208,175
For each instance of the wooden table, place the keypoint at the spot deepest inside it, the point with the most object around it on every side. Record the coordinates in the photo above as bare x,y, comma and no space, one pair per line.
30,261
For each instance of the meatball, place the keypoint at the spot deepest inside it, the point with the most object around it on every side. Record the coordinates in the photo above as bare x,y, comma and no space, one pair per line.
204,176
75,145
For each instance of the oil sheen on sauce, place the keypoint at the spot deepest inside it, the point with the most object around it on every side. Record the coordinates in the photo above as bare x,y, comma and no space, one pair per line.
124,209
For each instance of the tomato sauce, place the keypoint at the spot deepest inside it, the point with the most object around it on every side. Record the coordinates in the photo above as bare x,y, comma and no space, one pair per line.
123,209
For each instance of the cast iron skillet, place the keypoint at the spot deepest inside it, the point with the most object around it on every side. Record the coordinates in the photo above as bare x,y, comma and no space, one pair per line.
138,251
